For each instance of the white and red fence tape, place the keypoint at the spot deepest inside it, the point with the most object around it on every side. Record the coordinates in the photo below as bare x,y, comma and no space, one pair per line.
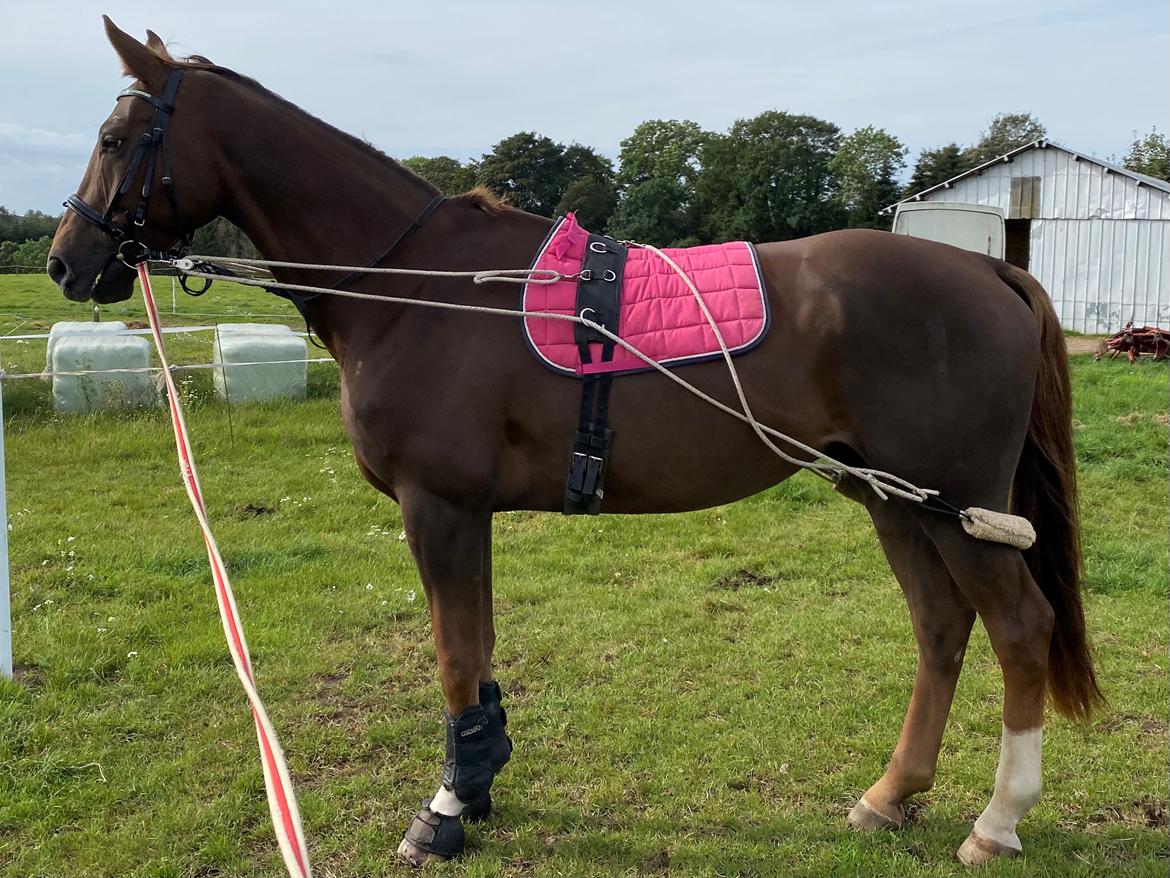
282,802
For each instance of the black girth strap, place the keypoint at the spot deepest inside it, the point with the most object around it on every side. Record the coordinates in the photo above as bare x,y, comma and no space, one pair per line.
598,300
585,486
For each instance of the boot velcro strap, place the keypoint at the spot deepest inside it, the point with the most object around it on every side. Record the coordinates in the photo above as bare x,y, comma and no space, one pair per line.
436,833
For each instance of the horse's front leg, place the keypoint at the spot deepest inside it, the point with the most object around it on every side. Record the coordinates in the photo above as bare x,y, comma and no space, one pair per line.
451,546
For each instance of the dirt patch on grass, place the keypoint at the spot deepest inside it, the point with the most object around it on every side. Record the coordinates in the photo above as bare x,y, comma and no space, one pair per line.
1083,344
335,707
1147,725
743,578
252,510
30,676
1154,811
1148,811
656,863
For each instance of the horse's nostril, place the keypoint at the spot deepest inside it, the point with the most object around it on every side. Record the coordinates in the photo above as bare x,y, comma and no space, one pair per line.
57,270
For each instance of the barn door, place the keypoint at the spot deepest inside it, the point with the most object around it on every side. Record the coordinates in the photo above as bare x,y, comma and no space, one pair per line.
1018,242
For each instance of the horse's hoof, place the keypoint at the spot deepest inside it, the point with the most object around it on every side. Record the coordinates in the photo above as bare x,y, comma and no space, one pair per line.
430,837
866,818
415,857
979,849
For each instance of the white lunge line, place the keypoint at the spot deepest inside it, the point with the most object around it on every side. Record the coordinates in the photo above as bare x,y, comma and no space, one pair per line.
282,803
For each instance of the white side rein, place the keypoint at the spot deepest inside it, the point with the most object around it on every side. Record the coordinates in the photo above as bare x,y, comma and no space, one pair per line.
982,524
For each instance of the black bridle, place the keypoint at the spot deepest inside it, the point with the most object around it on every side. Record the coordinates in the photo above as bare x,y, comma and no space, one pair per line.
153,150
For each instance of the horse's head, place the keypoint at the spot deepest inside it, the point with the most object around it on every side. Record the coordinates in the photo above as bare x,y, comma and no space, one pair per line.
150,182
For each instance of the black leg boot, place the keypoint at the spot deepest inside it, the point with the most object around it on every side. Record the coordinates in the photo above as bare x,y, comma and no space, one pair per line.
489,699
476,742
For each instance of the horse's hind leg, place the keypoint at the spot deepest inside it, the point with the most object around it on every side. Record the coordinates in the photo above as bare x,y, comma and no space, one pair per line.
942,619
1019,622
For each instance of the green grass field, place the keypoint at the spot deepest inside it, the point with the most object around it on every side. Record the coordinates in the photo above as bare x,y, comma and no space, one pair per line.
701,694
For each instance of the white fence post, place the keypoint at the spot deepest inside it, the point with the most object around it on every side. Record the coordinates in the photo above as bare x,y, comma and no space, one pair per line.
5,598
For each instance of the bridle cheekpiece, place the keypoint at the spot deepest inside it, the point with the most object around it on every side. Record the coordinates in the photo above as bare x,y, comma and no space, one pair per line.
153,149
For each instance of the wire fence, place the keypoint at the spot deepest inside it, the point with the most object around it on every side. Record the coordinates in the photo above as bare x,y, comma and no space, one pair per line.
175,367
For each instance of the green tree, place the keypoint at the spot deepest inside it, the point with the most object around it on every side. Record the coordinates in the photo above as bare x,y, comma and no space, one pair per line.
1005,132
663,149
449,175
221,238
584,161
935,166
660,164
591,192
866,168
1150,155
529,170
768,179
535,173
32,224
32,252
653,212
7,250
592,200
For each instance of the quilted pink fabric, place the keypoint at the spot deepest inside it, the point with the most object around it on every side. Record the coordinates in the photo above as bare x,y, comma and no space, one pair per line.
659,315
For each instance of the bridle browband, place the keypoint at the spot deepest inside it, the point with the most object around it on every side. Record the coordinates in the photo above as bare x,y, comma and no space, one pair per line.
153,150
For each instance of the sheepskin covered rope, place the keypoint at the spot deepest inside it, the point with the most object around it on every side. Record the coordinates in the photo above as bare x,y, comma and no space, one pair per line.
980,523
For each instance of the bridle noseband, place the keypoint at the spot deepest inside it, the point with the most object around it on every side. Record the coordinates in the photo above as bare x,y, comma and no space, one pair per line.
153,143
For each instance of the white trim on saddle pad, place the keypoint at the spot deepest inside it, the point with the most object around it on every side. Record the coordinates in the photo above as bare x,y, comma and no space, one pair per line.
709,354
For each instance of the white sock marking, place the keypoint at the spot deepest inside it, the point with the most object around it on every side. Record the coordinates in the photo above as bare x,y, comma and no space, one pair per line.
1017,786
446,802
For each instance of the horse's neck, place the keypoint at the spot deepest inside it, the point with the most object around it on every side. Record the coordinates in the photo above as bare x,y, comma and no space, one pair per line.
305,193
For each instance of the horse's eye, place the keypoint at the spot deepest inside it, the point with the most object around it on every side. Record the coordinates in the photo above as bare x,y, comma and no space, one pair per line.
110,142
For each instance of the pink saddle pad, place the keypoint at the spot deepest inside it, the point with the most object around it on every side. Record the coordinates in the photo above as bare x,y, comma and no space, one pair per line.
658,313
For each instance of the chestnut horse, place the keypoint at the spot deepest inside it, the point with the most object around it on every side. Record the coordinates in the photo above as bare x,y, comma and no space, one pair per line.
943,366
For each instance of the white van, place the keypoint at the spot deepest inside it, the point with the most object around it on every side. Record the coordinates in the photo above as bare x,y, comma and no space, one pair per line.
970,226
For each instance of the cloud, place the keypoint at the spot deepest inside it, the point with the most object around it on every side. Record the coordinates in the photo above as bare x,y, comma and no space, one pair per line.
20,142
455,77
38,167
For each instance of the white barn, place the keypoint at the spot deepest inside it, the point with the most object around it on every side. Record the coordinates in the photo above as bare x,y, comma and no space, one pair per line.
1096,235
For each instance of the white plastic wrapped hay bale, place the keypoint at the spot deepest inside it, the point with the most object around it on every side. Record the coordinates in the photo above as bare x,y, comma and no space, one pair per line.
76,327
269,347
99,389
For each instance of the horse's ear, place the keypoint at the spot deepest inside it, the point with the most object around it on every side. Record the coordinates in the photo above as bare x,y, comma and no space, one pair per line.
154,41
137,60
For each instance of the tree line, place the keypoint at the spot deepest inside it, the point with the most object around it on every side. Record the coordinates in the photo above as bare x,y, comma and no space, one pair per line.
772,177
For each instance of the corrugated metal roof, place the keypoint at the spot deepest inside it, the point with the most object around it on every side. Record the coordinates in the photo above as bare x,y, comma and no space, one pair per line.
1142,179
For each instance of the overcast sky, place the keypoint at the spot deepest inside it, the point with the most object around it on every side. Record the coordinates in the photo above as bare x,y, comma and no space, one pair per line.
453,78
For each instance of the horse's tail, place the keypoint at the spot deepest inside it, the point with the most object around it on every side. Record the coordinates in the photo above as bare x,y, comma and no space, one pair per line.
1045,492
